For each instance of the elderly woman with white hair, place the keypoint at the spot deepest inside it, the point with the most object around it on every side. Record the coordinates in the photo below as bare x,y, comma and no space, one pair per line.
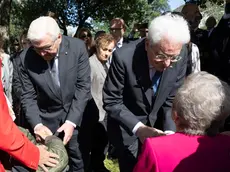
199,111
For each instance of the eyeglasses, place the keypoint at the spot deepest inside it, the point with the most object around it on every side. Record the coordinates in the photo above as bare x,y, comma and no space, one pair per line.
163,57
84,36
45,48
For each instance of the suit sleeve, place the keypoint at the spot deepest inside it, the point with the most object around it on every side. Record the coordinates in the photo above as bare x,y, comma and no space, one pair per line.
146,160
167,106
113,95
82,91
29,97
13,141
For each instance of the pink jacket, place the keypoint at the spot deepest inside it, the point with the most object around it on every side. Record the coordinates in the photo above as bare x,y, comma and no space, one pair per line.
182,153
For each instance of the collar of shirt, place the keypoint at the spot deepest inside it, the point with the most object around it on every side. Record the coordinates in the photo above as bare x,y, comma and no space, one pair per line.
120,43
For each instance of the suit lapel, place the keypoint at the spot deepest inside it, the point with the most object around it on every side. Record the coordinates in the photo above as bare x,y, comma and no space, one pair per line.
47,76
63,62
48,79
141,70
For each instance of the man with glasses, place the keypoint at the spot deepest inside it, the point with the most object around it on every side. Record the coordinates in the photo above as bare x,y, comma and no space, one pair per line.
55,76
141,85
117,29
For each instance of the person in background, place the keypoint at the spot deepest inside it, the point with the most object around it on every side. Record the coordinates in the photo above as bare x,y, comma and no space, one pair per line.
210,24
117,29
99,69
143,30
7,71
199,36
16,82
98,33
200,108
220,50
85,35
141,84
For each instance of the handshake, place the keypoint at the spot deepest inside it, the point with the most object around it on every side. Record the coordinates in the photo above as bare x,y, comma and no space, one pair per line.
144,132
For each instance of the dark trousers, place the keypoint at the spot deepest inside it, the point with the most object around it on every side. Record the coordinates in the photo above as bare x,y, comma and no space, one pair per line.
75,156
127,156
99,146
93,139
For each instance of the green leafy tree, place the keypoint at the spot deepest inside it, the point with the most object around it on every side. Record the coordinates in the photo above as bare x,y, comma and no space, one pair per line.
203,3
81,13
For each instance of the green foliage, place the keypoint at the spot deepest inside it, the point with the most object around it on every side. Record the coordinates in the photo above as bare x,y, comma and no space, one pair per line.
112,165
81,12
203,3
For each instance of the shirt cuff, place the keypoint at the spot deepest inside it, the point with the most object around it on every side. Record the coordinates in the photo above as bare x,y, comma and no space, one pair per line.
36,126
67,121
168,132
138,125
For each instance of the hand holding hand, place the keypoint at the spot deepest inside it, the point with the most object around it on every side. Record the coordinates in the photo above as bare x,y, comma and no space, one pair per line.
144,132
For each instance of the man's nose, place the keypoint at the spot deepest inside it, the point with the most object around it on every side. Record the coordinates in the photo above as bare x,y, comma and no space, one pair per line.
42,53
167,63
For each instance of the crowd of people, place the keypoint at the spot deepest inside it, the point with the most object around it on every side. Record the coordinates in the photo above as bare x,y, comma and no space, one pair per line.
159,102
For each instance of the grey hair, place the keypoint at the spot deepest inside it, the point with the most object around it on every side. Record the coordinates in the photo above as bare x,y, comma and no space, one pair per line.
171,26
202,104
42,26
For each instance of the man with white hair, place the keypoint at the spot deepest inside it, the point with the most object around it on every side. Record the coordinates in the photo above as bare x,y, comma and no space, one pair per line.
55,75
141,84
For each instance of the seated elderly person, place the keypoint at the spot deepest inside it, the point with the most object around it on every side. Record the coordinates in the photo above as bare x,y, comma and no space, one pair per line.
199,110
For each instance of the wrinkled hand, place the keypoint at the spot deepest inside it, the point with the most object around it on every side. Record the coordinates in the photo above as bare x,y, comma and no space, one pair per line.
144,132
42,132
47,158
68,130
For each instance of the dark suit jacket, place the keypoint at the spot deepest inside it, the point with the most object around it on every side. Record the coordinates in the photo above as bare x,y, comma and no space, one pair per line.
46,103
128,95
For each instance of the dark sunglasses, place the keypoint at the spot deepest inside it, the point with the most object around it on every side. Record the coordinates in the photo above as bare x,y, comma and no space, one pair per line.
84,36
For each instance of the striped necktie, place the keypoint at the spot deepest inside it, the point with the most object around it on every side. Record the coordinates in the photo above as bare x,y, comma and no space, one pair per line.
155,81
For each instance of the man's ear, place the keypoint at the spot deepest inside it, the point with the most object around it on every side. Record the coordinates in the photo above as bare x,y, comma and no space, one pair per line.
175,116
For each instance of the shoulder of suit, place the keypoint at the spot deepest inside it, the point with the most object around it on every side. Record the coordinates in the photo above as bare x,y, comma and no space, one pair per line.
72,40
128,50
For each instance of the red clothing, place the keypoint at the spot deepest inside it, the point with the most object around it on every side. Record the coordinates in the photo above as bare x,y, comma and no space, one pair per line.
12,140
182,153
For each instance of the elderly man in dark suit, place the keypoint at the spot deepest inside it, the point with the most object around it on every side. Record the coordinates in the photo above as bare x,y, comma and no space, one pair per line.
141,84
55,75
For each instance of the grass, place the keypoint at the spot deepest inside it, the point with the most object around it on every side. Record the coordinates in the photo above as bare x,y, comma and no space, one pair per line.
112,165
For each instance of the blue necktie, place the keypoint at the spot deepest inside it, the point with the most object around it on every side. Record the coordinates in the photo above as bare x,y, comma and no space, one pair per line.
155,81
